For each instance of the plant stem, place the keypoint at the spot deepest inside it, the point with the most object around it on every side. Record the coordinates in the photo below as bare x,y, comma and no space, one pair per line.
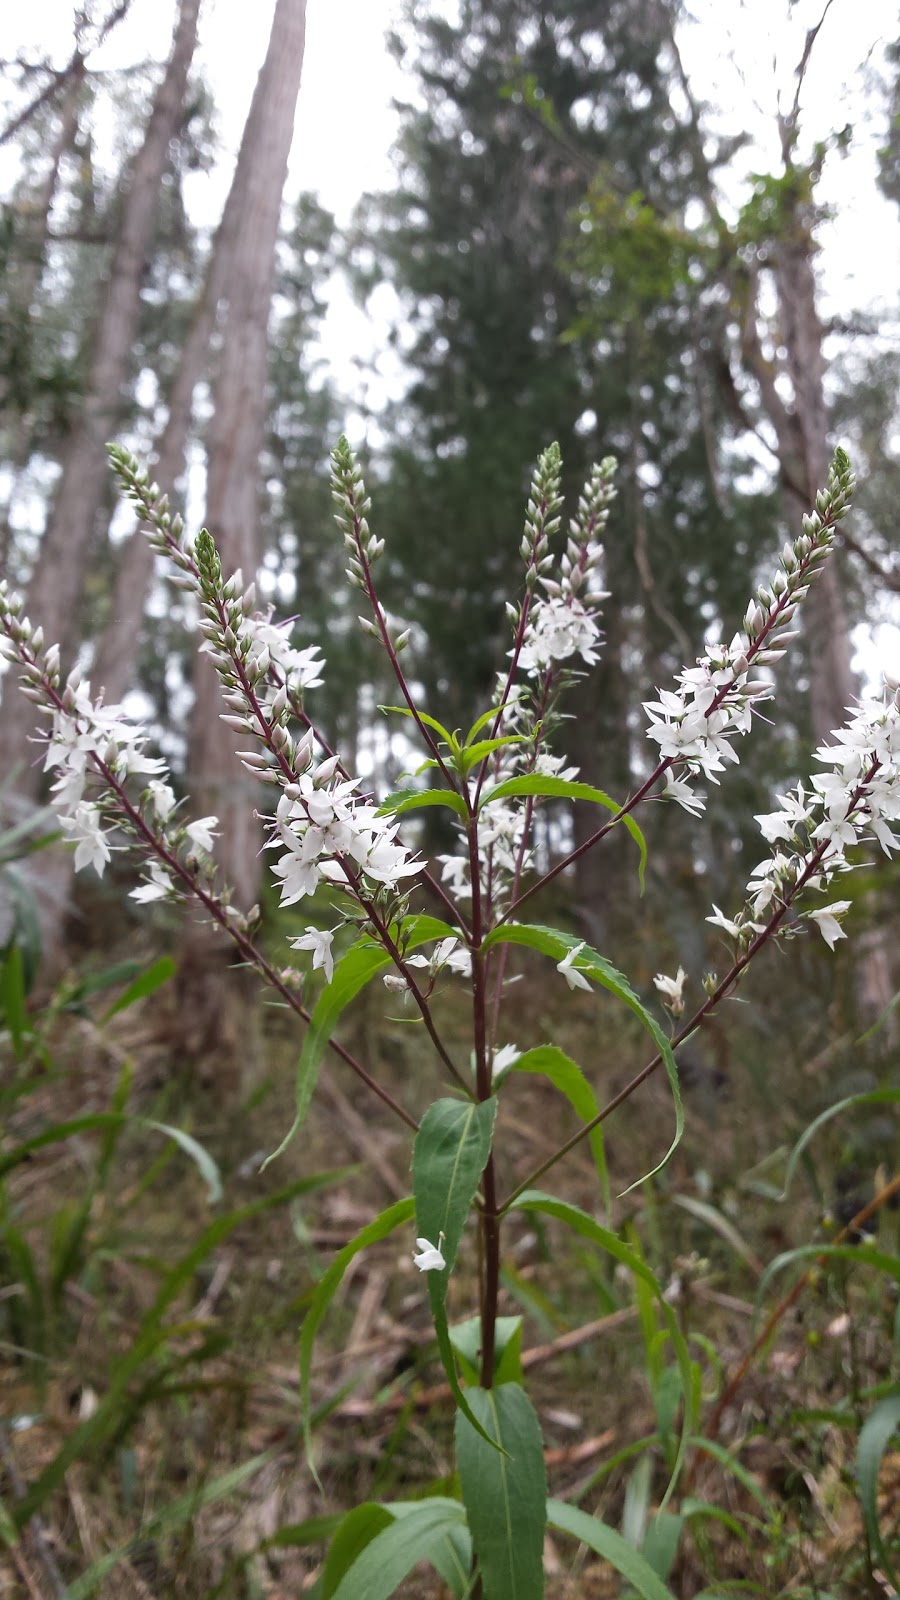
721,991
488,1219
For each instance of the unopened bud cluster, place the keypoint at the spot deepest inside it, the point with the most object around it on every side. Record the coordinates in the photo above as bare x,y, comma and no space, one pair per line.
563,625
695,724
348,491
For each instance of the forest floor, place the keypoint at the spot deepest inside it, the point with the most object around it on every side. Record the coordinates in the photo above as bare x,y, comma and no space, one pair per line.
173,1439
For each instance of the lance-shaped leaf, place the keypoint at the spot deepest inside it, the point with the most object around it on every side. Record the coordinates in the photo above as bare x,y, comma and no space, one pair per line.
610,1546
872,1097
551,942
548,788
567,1076
505,1498
326,1288
449,1155
419,799
421,1531
862,1255
579,1222
875,1436
358,967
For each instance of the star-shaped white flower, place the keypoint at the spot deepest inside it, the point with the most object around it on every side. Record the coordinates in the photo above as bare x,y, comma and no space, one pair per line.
319,941
672,990
429,1258
574,978
826,919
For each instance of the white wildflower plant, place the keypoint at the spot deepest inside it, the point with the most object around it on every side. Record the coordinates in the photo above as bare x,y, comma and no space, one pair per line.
329,837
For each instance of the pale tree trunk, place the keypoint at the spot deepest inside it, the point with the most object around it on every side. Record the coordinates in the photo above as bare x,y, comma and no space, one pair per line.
55,586
236,434
115,661
802,428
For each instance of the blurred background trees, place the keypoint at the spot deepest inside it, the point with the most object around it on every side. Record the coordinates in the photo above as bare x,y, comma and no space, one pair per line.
570,258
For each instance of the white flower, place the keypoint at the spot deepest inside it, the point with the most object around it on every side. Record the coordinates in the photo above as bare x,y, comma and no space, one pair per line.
504,1058
159,887
85,832
162,798
200,833
319,941
672,989
826,918
574,978
721,921
676,789
558,629
429,1258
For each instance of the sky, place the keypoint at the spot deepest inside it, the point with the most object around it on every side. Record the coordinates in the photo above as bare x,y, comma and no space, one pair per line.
738,56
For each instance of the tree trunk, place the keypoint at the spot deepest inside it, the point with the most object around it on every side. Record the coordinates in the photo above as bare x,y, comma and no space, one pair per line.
802,432
116,658
217,782
56,581
237,428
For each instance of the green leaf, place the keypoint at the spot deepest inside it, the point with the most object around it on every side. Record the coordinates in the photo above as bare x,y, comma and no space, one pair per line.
566,1076
12,999
875,1435
610,1546
475,753
705,1511
449,739
362,962
112,1120
390,1556
562,789
449,1155
326,1288
715,1219
26,927
351,1537
465,1337
148,982
711,1447
490,715
418,799
861,1254
660,1545
505,1497
874,1097
550,942
587,1228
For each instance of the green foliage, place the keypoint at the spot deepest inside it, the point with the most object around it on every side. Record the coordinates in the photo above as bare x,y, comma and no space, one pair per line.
394,1217
450,1152
611,1546
505,1497
550,942
875,1435
566,1076
351,974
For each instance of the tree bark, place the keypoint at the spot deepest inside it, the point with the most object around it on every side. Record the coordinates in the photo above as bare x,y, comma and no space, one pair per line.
237,428
217,782
116,658
56,581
